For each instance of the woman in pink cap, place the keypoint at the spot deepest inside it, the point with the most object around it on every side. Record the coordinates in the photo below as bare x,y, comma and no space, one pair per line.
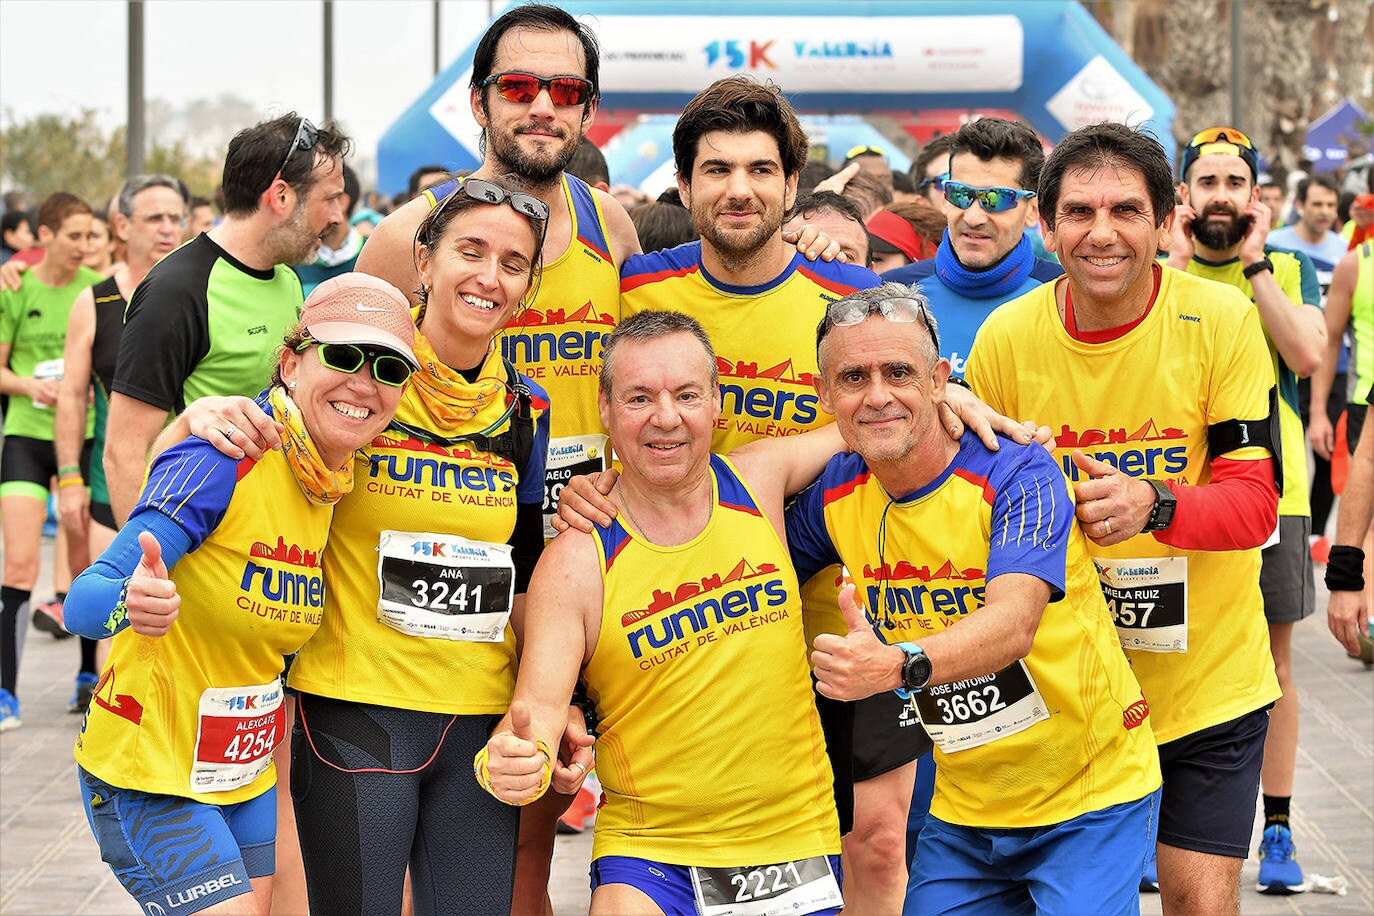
175,752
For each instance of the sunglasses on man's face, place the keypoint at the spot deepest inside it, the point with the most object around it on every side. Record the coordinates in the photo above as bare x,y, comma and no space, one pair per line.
517,86
993,200
387,367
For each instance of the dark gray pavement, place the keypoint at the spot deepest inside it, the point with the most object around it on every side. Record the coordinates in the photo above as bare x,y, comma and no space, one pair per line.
49,863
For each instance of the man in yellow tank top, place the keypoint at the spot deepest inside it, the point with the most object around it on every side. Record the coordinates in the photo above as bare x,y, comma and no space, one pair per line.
683,618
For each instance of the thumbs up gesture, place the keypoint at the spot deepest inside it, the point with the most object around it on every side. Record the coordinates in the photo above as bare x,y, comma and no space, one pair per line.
514,760
1111,506
858,664
152,598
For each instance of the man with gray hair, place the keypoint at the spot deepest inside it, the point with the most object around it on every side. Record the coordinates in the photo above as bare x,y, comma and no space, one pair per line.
978,601
149,213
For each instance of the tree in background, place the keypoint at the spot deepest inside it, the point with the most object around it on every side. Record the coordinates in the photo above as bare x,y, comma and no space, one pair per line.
59,153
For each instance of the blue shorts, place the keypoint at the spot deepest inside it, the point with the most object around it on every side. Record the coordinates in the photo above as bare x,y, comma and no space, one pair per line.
1091,862
669,886
173,854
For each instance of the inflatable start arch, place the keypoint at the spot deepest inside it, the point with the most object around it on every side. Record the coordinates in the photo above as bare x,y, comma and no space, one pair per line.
1047,60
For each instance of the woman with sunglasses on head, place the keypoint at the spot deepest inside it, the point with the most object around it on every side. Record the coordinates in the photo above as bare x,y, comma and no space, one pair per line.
425,570
175,753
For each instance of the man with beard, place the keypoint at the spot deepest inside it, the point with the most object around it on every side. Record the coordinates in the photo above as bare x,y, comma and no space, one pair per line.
206,319
534,92
1220,233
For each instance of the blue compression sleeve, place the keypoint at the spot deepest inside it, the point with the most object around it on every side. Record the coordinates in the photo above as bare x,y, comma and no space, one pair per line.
89,609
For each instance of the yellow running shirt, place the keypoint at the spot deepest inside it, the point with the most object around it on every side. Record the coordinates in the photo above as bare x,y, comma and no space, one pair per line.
556,340
411,499
196,712
1298,279
1061,733
1143,403
764,336
704,641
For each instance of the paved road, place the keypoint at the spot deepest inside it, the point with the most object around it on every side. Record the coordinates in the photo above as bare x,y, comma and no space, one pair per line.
49,863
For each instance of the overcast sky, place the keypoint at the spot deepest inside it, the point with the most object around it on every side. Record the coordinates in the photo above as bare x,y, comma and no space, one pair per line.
67,55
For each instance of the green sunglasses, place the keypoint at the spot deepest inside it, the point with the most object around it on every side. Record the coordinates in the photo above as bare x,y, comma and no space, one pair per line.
387,367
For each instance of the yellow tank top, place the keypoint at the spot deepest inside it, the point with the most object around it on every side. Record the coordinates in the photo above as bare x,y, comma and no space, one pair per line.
701,663
252,593
405,484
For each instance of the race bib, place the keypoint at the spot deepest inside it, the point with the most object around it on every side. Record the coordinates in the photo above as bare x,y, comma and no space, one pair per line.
803,886
239,728
979,710
569,457
1148,599
442,586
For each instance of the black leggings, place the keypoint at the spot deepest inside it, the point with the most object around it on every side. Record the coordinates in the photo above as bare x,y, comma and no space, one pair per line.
359,831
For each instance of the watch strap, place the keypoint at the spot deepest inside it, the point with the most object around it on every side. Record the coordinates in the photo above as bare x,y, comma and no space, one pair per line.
1162,513
1259,266
908,649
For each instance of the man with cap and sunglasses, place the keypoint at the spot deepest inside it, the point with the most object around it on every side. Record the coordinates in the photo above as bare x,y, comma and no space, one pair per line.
206,318
1220,233
986,257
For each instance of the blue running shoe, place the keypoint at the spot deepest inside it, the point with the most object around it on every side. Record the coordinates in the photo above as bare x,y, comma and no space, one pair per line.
85,688
1149,875
1279,872
9,711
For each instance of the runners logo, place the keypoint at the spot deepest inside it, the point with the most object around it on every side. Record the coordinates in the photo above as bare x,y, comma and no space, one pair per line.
284,554
523,345
939,591
1140,453
761,394
1136,713
663,600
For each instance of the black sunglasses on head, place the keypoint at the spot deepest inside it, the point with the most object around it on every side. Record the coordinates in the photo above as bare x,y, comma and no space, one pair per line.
305,140
525,204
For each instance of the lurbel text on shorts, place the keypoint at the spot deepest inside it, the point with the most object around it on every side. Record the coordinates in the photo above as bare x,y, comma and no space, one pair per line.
523,347
735,603
906,599
765,403
204,889
447,475
1137,462
301,589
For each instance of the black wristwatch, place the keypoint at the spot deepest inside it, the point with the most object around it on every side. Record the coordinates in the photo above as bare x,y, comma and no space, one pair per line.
1259,266
916,669
1162,515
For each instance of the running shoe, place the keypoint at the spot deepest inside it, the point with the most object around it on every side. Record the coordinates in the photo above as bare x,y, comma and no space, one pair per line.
9,711
85,688
48,618
1279,871
1149,875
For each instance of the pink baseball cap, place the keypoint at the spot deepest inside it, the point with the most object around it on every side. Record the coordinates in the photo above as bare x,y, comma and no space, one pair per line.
361,309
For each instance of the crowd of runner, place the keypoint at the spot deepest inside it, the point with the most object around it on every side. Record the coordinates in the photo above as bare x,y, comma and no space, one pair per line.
923,542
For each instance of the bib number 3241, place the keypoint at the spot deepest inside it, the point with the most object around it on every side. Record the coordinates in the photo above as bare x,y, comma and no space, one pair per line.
444,587
803,886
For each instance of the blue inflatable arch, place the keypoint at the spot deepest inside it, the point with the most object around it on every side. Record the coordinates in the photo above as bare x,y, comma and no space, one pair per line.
1047,60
